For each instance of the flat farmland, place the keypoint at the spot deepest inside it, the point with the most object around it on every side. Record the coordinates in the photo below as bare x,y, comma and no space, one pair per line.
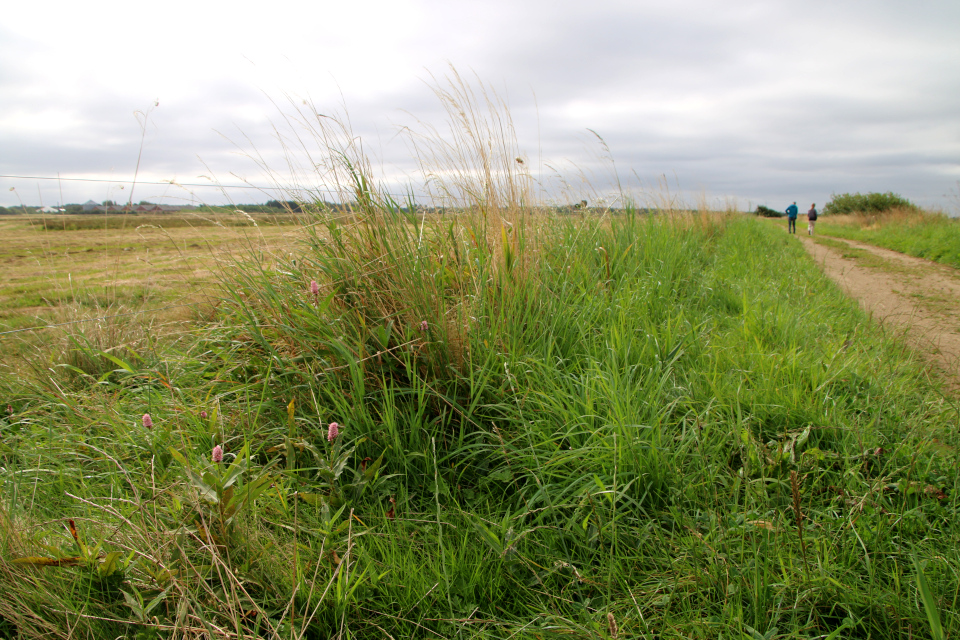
165,269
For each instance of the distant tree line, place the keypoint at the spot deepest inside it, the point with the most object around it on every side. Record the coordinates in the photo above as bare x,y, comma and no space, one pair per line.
767,212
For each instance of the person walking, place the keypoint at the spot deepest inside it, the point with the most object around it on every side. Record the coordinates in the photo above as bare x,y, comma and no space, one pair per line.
811,218
792,213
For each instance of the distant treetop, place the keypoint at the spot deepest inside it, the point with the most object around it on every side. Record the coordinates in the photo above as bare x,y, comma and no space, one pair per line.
870,203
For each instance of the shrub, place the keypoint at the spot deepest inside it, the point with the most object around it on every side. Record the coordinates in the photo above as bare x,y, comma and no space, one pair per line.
767,212
867,203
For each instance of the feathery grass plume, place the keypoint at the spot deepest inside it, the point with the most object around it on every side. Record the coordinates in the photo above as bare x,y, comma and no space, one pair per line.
612,625
390,263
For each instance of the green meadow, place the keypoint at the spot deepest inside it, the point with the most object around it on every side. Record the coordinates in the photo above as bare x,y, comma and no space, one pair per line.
499,422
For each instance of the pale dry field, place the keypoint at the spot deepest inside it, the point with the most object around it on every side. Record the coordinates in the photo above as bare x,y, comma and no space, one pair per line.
163,274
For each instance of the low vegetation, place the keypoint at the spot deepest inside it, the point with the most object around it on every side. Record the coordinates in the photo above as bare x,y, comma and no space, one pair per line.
164,266
867,204
923,234
767,212
500,423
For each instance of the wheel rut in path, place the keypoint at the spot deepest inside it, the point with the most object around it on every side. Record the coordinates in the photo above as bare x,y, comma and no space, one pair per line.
919,298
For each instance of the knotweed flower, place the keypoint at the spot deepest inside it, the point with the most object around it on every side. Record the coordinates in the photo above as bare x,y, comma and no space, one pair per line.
333,431
217,454
147,421
203,414
314,288
424,326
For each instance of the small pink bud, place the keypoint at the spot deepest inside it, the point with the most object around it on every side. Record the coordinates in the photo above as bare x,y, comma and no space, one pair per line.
203,414
217,454
10,409
333,431
314,287
424,326
147,421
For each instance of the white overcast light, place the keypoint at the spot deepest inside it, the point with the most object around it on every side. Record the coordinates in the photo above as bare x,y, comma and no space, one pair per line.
757,102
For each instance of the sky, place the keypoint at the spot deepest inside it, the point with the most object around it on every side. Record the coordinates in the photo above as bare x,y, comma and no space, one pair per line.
743,102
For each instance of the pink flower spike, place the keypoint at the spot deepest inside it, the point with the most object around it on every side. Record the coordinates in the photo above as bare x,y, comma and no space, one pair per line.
203,414
314,287
424,326
147,421
333,431
217,454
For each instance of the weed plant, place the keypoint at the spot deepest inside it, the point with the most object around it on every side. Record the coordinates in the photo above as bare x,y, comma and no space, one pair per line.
495,423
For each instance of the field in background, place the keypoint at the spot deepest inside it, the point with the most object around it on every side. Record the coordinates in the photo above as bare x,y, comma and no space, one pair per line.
88,267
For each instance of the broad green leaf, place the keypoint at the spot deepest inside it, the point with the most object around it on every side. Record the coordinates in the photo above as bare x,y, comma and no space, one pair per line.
117,361
110,564
235,471
177,456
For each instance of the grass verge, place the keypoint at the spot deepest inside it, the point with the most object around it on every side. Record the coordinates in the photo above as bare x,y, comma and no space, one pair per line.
926,235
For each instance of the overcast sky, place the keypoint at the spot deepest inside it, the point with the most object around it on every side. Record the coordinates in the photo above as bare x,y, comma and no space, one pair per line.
765,102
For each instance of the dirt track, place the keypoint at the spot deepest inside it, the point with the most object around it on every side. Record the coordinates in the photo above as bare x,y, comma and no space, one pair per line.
912,295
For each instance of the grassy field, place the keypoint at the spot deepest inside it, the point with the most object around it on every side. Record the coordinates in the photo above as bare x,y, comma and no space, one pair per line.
503,423
614,427
922,234
163,269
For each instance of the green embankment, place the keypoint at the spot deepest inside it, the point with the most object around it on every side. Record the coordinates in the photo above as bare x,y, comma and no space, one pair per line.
929,236
650,426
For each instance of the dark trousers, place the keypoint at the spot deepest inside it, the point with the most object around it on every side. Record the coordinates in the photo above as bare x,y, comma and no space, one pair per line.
791,225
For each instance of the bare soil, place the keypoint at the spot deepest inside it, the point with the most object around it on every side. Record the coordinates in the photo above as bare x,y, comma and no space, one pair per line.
916,297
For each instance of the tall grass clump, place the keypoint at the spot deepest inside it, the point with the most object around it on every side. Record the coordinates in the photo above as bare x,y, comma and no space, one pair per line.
491,421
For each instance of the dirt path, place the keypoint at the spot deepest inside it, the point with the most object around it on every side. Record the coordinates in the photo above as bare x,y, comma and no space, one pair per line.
912,295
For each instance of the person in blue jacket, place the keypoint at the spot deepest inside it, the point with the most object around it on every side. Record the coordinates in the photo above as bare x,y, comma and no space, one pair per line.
792,213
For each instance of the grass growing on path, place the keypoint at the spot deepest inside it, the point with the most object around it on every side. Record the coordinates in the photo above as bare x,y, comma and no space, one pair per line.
648,424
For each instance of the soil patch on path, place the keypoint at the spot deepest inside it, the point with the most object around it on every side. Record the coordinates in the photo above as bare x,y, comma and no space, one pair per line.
919,298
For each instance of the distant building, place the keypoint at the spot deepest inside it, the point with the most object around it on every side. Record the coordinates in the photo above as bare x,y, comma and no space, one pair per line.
90,206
